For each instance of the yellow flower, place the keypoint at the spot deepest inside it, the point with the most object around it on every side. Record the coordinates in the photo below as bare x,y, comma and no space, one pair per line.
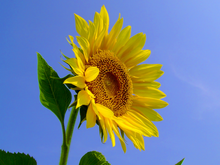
119,93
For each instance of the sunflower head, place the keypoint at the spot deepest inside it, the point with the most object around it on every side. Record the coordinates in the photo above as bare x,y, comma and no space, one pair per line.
112,89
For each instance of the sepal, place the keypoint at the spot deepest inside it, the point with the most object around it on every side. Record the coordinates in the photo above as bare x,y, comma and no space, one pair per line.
83,111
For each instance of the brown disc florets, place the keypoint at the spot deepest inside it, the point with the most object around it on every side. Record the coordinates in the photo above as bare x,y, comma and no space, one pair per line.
113,86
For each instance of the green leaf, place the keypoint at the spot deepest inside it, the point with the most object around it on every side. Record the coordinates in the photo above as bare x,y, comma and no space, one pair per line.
93,158
54,95
180,162
16,158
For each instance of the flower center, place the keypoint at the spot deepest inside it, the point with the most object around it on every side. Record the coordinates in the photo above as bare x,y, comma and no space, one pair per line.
113,86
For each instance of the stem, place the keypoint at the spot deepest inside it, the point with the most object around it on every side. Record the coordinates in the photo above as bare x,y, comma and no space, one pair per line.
64,148
71,124
68,136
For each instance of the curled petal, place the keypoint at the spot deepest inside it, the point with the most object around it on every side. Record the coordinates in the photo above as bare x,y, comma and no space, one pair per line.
91,73
90,117
106,112
83,98
77,81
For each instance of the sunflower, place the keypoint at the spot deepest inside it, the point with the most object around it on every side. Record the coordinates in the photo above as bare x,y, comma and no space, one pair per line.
119,94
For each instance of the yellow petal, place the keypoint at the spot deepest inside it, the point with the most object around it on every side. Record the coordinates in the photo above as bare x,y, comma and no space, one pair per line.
82,98
122,39
140,138
91,73
152,84
143,69
136,54
94,107
145,91
140,126
148,77
71,40
132,137
79,56
90,117
135,59
106,112
105,17
84,44
80,63
132,43
77,52
98,41
73,64
145,122
128,123
149,102
103,125
89,93
111,134
98,21
123,145
77,81
114,33
81,26
92,34
148,112
115,129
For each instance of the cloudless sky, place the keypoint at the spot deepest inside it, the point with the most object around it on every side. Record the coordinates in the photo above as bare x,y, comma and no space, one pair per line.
184,36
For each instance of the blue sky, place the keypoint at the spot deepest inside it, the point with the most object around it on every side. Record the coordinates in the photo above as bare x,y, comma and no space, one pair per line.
184,36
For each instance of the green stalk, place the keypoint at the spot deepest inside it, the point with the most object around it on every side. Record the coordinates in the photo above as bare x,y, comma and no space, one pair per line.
68,136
